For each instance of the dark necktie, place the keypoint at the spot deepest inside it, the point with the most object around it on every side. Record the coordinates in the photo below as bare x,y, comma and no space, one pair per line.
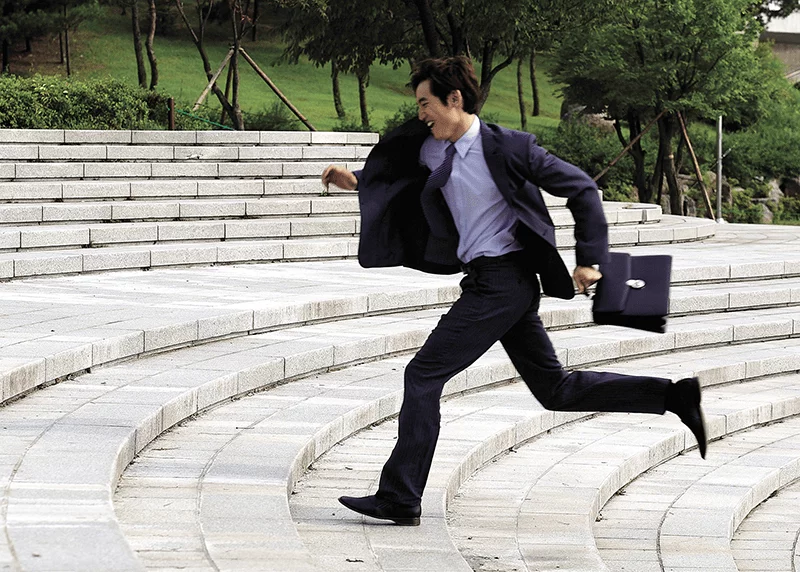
440,175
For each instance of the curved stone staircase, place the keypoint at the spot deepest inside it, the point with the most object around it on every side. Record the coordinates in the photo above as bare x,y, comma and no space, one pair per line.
205,415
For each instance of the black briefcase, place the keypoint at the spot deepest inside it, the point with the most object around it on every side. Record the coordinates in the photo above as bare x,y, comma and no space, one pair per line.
633,292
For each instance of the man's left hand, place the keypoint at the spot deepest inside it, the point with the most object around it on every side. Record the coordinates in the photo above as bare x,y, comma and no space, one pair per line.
585,276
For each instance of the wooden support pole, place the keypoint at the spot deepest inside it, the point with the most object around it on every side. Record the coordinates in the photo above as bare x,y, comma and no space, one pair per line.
171,113
274,88
697,172
628,147
213,81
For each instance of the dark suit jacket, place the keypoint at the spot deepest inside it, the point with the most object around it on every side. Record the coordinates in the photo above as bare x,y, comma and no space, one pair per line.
401,226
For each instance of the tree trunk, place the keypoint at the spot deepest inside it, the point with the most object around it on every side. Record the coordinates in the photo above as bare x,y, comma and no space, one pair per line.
151,34
534,86
363,80
458,44
198,42
254,31
523,115
637,153
488,72
66,45
666,133
236,17
227,92
429,28
6,57
137,45
337,93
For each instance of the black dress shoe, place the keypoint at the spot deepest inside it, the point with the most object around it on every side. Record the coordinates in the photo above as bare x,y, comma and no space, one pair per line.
376,508
683,399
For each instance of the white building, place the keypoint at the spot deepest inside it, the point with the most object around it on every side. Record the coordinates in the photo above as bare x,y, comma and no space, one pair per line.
785,32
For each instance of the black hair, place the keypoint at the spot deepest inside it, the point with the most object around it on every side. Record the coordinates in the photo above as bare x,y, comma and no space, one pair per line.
448,75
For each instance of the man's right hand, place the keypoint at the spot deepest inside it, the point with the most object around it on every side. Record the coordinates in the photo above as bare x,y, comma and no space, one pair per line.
340,177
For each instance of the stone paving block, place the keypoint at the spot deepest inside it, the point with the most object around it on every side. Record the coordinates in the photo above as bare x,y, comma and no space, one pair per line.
217,326
122,233
212,209
225,137
188,170
284,137
72,152
54,237
19,152
102,261
84,136
271,207
268,153
762,330
18,375
6,269
163,189
251,169
117,170
308,168
206,153
16,214
75,212
171,335
44,264
164,137
7,170
181,231
115,344
328,138
230,188
362,138
131,210
257,229
48,171
296,250
756,269
323,226
348,205
9,239
96,190
292,187
328,152
249,252
31,135
140,153
185,254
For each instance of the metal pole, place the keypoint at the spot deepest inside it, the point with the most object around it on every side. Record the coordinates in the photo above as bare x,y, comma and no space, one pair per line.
719,170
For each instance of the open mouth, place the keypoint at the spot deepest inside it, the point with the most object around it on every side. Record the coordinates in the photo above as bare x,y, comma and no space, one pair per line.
430,124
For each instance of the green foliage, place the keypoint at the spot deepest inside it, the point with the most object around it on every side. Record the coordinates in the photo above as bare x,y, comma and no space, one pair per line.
349,124
743,209
276,117
788,211
54,103
592,149
406,112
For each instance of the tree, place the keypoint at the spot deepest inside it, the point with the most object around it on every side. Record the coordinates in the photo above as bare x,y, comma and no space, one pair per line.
652,56
21,20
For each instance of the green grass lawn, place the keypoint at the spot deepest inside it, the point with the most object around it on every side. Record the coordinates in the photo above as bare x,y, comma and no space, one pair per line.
104,48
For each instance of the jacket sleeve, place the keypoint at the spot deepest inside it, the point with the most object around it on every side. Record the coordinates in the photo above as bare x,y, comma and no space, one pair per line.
563,179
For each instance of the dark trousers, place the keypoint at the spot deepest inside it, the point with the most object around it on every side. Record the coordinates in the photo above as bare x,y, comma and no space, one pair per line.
499,301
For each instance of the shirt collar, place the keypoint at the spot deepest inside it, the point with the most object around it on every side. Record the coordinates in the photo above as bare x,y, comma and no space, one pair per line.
467,139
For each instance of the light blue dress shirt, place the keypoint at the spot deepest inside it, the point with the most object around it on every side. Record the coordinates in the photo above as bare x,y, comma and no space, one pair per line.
484,219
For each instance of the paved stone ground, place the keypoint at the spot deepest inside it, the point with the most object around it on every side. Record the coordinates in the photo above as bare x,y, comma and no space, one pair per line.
294,358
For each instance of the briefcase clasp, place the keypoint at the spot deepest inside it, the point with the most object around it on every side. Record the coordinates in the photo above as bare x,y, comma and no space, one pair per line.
636,284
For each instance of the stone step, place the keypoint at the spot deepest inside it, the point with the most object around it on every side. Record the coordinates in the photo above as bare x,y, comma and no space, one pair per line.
280,241
548,494
126,210
128,137
105,318
767,540
146,397
656,522
18,195
267,225
192,171
40,154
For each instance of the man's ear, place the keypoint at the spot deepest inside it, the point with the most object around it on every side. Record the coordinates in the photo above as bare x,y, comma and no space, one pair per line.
454,99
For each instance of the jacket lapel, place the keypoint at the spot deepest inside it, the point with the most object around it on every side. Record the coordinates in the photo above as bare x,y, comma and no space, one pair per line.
495,160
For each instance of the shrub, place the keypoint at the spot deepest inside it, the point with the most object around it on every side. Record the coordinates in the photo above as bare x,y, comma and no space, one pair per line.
788,211
350,125
406,112
41,102
743,209
276,117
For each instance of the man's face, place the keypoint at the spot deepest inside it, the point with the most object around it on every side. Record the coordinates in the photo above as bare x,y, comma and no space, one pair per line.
443,120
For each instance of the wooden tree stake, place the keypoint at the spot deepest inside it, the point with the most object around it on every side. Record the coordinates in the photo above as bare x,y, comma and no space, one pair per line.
274,88
628,147
697,172
211,83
